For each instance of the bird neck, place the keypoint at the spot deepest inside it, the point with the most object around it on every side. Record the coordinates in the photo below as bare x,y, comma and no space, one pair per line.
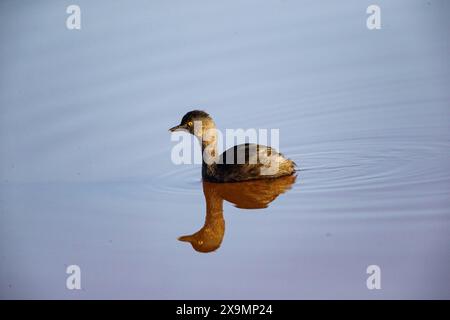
214,204
209,148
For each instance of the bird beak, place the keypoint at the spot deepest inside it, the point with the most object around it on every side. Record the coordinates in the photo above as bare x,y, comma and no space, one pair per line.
186,238
177,128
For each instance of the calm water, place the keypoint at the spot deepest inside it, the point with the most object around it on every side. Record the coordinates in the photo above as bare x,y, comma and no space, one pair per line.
85,168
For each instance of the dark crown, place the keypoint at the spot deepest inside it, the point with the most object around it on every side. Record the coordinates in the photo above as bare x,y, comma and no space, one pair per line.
195,114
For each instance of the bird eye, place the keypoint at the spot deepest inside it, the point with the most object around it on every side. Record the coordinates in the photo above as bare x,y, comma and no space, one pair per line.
189,123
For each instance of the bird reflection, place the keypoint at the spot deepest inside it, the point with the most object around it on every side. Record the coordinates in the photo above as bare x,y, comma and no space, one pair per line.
255,194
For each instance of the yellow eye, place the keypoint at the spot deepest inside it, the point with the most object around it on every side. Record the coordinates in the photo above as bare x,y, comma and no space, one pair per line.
189,123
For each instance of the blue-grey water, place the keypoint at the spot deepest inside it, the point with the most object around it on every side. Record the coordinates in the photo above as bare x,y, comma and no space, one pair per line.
85,155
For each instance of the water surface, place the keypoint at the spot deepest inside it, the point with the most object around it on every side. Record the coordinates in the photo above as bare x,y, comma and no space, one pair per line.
85,168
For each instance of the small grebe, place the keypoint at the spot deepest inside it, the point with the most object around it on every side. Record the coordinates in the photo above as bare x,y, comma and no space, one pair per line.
246,161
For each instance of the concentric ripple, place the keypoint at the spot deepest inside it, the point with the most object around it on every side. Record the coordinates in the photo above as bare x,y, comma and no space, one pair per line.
379,164
184,179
